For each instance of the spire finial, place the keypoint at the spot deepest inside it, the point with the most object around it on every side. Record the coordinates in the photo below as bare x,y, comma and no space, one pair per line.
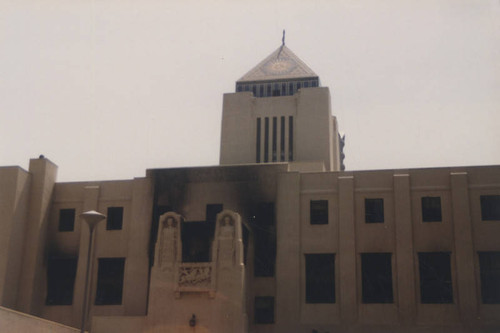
283,39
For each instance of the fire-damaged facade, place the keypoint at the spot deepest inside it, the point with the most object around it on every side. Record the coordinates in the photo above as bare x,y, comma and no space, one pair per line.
277,238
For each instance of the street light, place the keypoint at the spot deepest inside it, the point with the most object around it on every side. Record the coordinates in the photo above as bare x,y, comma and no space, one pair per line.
92,218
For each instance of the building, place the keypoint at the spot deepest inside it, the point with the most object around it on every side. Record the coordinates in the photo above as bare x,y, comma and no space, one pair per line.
278,238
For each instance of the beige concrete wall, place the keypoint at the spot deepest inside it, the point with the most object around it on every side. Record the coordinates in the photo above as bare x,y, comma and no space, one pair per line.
14,195
315,134
131,243
17,322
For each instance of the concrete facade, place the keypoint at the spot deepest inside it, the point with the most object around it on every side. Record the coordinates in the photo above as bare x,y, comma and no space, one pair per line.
236,247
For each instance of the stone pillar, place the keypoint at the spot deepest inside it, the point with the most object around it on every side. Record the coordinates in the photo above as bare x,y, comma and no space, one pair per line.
347,252
464,249
405,266
288,252
43,177
137,267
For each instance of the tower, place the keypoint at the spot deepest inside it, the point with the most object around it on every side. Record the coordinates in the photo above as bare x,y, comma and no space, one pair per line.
280,113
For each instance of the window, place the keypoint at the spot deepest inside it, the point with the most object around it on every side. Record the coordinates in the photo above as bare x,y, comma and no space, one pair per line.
489,266
431,209
275,138
268,88
374,210
110,281
266,139
264,228
318,211
115,218
282,139
306,84
490,207
257,143
320,278
290,138
264,310
290,89
435,277
66,219
376,276
61,273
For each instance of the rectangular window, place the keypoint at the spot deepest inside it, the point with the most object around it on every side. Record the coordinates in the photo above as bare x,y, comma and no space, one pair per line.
490,207
374,210
320,278
264,310
110,281
275,138
211,212
115,218
283,89
261,91
290,89
489,266
290,138
264,227
315,83
376,276
431,209
61,273
254,90
318,210
282,139
266,140
247,87
298,86
268,88
257,158
306,84
276,90
67,219
435,277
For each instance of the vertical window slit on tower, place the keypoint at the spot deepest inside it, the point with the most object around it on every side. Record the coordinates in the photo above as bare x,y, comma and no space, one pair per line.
290,138
257,158
266,140
282,139
275,139
290,89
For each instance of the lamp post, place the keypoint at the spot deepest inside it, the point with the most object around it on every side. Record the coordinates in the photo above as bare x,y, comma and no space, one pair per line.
92,218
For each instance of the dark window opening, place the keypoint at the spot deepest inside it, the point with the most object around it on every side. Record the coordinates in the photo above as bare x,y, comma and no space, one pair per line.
374,210
435,277
276,90
266,140
261,91
264,310
211,212
110,281
306,84
283,89
489,266
282,140
376,275
258,141
314,83
290,89
318,211
320,278
247,88
238,88
490,207
264,230
275,143
162,209
66,219
290,138
115,218
431,209
254,90
61,273
268,88
196,238
298,86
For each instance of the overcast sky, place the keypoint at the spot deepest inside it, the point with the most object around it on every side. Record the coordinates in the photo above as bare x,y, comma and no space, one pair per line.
107,89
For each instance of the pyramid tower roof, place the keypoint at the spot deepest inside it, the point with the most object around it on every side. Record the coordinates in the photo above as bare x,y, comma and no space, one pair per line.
282,64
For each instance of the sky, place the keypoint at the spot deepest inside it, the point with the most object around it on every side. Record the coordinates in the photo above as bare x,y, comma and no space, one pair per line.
109,88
